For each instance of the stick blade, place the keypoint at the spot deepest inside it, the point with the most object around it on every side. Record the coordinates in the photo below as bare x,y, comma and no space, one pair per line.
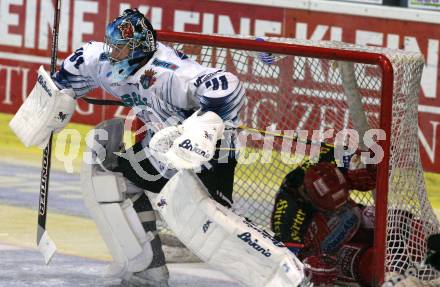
47,247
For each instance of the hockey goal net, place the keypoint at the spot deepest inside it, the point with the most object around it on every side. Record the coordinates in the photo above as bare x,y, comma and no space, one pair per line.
318,86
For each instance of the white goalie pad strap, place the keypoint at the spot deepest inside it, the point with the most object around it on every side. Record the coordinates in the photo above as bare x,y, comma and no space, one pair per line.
108,187
45,110
223,239
116,220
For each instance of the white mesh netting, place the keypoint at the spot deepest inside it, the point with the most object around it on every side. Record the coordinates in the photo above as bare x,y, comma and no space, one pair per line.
306,93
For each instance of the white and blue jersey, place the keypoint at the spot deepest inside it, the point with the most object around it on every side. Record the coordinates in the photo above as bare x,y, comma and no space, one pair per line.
169,86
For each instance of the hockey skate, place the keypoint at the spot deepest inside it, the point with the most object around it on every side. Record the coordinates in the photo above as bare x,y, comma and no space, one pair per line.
153,277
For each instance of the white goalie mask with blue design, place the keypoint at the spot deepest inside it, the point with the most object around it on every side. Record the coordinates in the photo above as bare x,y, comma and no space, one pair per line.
129,40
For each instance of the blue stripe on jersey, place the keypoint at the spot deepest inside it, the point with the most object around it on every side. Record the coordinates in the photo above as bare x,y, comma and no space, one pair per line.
169,94
160,111
167,112
80,84
168,91
226,107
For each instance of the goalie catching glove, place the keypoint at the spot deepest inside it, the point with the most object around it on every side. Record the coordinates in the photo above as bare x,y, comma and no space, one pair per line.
47,109
190,144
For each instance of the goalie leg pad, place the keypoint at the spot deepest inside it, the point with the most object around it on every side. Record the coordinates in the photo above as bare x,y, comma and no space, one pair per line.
105,195
223,239
117,221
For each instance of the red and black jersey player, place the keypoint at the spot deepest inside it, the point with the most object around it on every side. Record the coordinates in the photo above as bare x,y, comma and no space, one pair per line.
316,219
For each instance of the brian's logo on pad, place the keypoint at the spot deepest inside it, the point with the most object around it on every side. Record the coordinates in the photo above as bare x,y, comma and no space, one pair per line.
148,78
43,84
247,237
187,144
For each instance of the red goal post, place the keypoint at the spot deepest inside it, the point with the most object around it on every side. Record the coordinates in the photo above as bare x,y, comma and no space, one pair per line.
388,82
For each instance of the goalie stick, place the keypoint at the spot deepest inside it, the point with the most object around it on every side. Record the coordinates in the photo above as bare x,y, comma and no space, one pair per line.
45,244
103,102
354,98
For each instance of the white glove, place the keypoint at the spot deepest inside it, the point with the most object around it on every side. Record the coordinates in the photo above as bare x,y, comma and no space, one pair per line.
191,144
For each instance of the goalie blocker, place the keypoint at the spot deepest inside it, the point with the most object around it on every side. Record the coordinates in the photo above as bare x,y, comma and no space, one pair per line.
223,239
47,109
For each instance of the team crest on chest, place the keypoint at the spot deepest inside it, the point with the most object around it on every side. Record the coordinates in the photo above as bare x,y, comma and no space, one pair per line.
148,78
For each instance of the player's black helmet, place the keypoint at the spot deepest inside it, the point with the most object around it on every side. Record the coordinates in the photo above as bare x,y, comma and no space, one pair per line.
293,183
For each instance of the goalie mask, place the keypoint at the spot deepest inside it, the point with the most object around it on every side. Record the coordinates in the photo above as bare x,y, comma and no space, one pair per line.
129,39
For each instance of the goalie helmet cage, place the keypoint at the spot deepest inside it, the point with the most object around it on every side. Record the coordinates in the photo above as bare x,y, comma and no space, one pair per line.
318,85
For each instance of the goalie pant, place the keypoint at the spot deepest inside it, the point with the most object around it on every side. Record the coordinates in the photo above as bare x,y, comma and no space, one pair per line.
223,239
